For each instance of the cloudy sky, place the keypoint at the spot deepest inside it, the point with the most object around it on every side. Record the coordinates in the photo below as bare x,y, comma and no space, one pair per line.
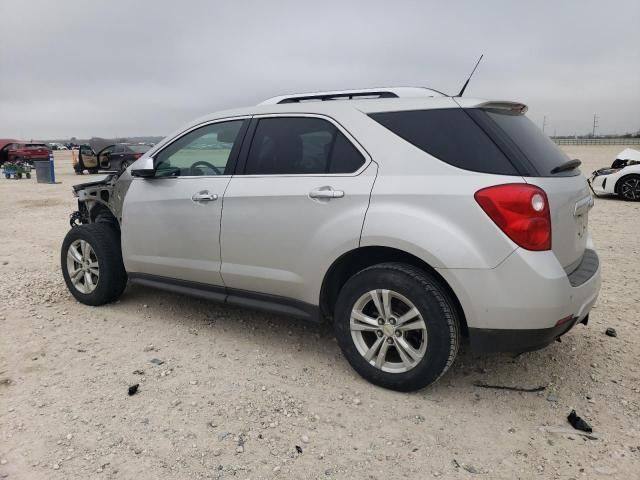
127,67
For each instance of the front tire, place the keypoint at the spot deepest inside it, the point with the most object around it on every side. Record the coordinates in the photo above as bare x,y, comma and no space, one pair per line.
629,188
91,262
397,326
124,165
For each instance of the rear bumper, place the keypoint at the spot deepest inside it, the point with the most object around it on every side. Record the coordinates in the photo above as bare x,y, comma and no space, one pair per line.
517,341
526,302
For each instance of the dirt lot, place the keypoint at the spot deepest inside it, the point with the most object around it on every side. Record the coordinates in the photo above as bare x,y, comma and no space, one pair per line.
243,394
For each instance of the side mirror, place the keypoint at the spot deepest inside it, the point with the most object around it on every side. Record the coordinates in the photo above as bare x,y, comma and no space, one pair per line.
143,168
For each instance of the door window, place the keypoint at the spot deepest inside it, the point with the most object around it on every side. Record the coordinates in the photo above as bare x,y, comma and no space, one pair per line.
204,151
300,146
86,150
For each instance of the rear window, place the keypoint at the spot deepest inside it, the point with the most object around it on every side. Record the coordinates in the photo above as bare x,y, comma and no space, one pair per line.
449,135
523,141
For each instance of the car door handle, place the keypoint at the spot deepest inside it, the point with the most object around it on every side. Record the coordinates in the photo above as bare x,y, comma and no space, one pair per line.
204,197
327,193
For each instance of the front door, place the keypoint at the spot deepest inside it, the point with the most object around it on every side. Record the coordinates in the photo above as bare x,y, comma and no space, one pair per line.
171,222
296,205
87,157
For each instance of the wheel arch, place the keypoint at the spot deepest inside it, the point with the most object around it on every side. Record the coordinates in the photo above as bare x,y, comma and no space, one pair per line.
353,261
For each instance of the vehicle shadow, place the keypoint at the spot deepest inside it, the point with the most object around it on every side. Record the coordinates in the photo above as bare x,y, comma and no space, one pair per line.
314,344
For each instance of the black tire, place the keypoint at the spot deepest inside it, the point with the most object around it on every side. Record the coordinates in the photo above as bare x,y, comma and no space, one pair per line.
632,195
105,241
434,304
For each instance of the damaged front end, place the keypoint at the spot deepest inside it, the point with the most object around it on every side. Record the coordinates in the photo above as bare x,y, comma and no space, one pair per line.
99,201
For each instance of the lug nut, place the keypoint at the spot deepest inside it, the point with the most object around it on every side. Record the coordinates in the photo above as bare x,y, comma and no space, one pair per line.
379,332
392,321
398,333
389,340
380,321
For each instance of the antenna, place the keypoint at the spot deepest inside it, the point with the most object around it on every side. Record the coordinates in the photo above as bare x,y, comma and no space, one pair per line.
464,87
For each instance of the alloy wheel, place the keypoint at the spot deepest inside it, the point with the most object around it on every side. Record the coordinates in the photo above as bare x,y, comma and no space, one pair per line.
388,331
83,266
630,189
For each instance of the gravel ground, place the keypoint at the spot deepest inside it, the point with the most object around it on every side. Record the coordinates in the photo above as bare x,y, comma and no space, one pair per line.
241,394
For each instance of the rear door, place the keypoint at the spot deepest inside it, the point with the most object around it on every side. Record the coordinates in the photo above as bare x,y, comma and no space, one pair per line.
116,156
297,202
171,222
39,150
104,157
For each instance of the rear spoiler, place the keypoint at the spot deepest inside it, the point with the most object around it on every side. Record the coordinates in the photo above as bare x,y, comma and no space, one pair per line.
513,107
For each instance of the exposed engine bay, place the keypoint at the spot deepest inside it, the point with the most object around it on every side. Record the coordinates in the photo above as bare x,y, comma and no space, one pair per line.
101,200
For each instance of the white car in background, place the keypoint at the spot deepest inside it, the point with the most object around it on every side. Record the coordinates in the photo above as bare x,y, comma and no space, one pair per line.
622,179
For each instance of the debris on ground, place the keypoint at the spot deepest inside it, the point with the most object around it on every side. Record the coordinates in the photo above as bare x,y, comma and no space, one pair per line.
471,469
138,372
133,389
298,449
611,332
156,361
578,422
514,389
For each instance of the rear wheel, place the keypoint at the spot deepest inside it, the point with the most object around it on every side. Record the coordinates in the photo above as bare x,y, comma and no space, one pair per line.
91,263
397,326
629,188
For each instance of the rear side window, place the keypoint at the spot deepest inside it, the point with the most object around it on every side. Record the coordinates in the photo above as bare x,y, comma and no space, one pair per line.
300,146
449,135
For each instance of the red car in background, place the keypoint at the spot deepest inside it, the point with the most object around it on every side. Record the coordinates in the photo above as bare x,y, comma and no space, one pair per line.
16,151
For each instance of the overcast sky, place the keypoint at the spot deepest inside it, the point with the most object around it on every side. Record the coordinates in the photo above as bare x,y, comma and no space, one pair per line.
118,68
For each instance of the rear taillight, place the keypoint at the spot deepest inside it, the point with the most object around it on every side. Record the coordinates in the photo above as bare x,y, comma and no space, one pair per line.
521,211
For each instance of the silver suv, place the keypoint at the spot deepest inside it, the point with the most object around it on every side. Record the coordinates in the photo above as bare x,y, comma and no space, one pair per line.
409,219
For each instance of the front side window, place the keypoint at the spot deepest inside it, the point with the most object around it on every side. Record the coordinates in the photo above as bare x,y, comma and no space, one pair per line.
300,146
204,151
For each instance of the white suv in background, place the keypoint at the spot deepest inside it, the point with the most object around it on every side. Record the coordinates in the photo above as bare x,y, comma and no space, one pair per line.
408,218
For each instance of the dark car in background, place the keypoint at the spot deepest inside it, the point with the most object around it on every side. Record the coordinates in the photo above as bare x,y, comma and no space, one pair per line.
16,151
116,157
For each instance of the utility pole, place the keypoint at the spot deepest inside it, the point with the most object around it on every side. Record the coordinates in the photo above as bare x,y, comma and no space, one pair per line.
544,123
595,125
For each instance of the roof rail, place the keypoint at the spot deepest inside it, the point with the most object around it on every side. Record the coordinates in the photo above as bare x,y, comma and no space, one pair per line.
363,93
